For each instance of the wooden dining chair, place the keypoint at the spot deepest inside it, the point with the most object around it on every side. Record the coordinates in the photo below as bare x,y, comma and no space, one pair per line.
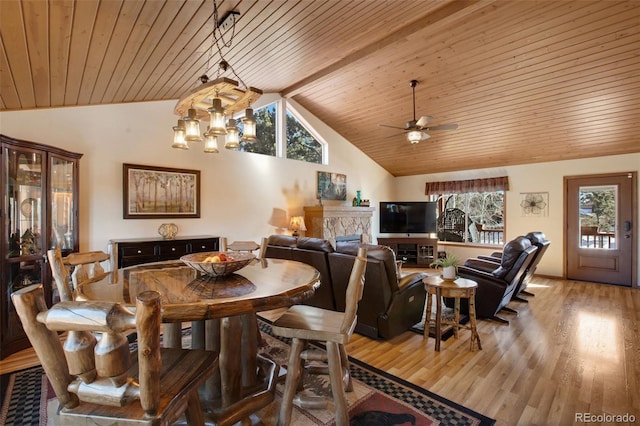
303,323
79,266
98,380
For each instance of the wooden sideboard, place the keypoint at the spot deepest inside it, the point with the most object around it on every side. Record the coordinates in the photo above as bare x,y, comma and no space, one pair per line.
413,251
133,251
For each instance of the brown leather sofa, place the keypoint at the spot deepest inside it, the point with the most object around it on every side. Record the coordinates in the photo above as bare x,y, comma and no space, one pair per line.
390,305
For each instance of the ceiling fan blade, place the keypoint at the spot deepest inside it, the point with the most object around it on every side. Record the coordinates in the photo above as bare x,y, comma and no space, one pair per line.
424,120
391,127
443,127
394,135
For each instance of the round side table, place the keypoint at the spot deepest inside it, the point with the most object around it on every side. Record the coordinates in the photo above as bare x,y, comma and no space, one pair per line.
460,288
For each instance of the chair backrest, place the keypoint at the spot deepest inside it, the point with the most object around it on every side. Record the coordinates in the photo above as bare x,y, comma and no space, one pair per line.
89,370
354,291
82,266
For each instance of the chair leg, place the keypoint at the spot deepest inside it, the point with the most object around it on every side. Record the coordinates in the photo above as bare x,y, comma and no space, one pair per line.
194,411
344,361
508,309
526,293
519,299
501,320
337,388
291,383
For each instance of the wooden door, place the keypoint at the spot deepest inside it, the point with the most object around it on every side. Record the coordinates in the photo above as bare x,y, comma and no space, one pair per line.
601,233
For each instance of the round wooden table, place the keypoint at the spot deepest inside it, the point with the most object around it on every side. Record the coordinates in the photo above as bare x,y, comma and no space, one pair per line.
457,289
229,305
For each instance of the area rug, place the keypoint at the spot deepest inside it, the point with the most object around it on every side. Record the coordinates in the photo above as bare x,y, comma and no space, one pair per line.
378,398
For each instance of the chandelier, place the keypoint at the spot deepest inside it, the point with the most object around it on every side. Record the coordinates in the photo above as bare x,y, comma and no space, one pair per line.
217,100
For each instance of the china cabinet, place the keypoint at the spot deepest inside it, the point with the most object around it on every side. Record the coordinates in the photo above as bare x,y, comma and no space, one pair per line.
39,211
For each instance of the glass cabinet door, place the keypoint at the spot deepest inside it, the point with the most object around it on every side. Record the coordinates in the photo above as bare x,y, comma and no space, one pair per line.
63,220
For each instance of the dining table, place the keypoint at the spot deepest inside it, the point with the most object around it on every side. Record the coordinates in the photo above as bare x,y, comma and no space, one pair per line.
223,315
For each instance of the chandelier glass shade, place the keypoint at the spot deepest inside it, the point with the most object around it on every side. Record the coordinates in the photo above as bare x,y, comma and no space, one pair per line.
192,127
248,126
179,141
232,140
216,117
210,142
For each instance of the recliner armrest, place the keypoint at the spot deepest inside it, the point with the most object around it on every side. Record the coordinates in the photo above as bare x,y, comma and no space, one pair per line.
491,259
410,279
480,264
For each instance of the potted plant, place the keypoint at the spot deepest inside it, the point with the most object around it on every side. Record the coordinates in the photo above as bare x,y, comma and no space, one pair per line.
448,265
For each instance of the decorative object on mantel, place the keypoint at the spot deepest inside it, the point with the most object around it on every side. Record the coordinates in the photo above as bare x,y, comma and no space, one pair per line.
168,231
332,186
151,192
296,225
216,99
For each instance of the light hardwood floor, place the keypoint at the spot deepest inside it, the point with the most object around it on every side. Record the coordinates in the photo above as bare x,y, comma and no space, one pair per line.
574,348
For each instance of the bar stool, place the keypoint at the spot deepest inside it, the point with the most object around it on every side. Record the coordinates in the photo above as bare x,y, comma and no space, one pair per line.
460,288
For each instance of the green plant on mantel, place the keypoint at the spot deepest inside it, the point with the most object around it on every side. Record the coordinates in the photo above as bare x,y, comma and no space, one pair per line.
449,260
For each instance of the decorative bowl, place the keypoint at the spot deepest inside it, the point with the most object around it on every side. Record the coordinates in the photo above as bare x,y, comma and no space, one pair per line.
209,262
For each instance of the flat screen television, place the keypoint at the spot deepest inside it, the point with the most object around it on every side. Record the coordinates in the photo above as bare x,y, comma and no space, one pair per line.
408,217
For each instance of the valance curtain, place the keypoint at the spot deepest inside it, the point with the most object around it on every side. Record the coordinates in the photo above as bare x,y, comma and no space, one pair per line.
472,185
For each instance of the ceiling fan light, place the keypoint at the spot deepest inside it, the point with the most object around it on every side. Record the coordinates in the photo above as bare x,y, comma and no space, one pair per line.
216,118
248,126
179,141
232,140
192,126
414,136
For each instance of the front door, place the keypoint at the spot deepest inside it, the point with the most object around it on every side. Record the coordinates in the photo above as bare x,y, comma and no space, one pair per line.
600,238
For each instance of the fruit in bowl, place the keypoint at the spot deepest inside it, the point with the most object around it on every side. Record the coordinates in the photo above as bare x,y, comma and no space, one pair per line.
216,263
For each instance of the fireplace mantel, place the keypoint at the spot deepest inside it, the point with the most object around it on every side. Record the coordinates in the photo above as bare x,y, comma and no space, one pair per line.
329,222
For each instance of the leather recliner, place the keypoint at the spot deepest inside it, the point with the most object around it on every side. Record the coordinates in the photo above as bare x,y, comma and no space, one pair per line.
390,304
539,240
497,282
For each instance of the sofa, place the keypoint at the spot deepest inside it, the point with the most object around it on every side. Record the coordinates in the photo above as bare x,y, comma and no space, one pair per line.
390,304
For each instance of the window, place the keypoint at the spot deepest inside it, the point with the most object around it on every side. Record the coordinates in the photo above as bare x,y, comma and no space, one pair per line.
302,143
476,217
470,211
265,132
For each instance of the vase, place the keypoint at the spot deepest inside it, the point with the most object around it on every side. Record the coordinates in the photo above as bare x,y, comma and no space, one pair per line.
168,231
449,272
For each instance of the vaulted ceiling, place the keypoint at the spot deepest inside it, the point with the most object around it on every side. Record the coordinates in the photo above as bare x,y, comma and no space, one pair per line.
526,81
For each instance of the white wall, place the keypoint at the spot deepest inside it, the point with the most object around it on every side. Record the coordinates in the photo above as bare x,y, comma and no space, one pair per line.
239,190
541,177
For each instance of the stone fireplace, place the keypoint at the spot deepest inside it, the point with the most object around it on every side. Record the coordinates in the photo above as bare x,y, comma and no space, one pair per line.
329,222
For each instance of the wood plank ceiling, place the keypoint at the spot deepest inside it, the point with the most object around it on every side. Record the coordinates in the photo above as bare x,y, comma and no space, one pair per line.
526,81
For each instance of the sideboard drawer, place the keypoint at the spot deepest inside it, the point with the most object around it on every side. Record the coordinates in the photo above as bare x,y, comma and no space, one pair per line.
204,245
138,250
172,250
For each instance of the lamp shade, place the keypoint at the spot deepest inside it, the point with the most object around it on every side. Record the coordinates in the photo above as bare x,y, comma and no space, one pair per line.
248,126
192,126
297,224
416,136
210,142
179,141
232,140
216,118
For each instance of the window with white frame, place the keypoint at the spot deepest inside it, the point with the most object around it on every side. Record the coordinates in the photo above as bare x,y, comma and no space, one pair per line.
298,140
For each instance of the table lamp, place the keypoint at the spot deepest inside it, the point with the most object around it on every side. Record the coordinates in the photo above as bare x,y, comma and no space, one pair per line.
297,224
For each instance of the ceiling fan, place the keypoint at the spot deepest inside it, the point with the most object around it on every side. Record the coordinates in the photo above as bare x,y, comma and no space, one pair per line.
416,130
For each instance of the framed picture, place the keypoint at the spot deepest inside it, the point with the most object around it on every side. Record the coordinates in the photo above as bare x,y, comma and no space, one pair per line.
332,186
151,192
534,204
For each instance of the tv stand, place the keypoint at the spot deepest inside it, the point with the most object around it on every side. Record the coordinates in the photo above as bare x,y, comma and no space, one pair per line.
413,251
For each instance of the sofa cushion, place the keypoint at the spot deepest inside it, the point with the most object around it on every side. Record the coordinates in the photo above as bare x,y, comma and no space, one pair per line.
282,240
317,244
382,253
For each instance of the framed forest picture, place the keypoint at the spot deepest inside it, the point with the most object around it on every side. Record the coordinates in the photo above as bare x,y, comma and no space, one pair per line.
151,192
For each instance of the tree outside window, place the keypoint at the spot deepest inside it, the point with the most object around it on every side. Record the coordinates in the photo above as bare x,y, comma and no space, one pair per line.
301,145
476,217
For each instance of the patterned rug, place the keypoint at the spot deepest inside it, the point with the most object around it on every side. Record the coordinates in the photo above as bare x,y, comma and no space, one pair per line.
378,398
